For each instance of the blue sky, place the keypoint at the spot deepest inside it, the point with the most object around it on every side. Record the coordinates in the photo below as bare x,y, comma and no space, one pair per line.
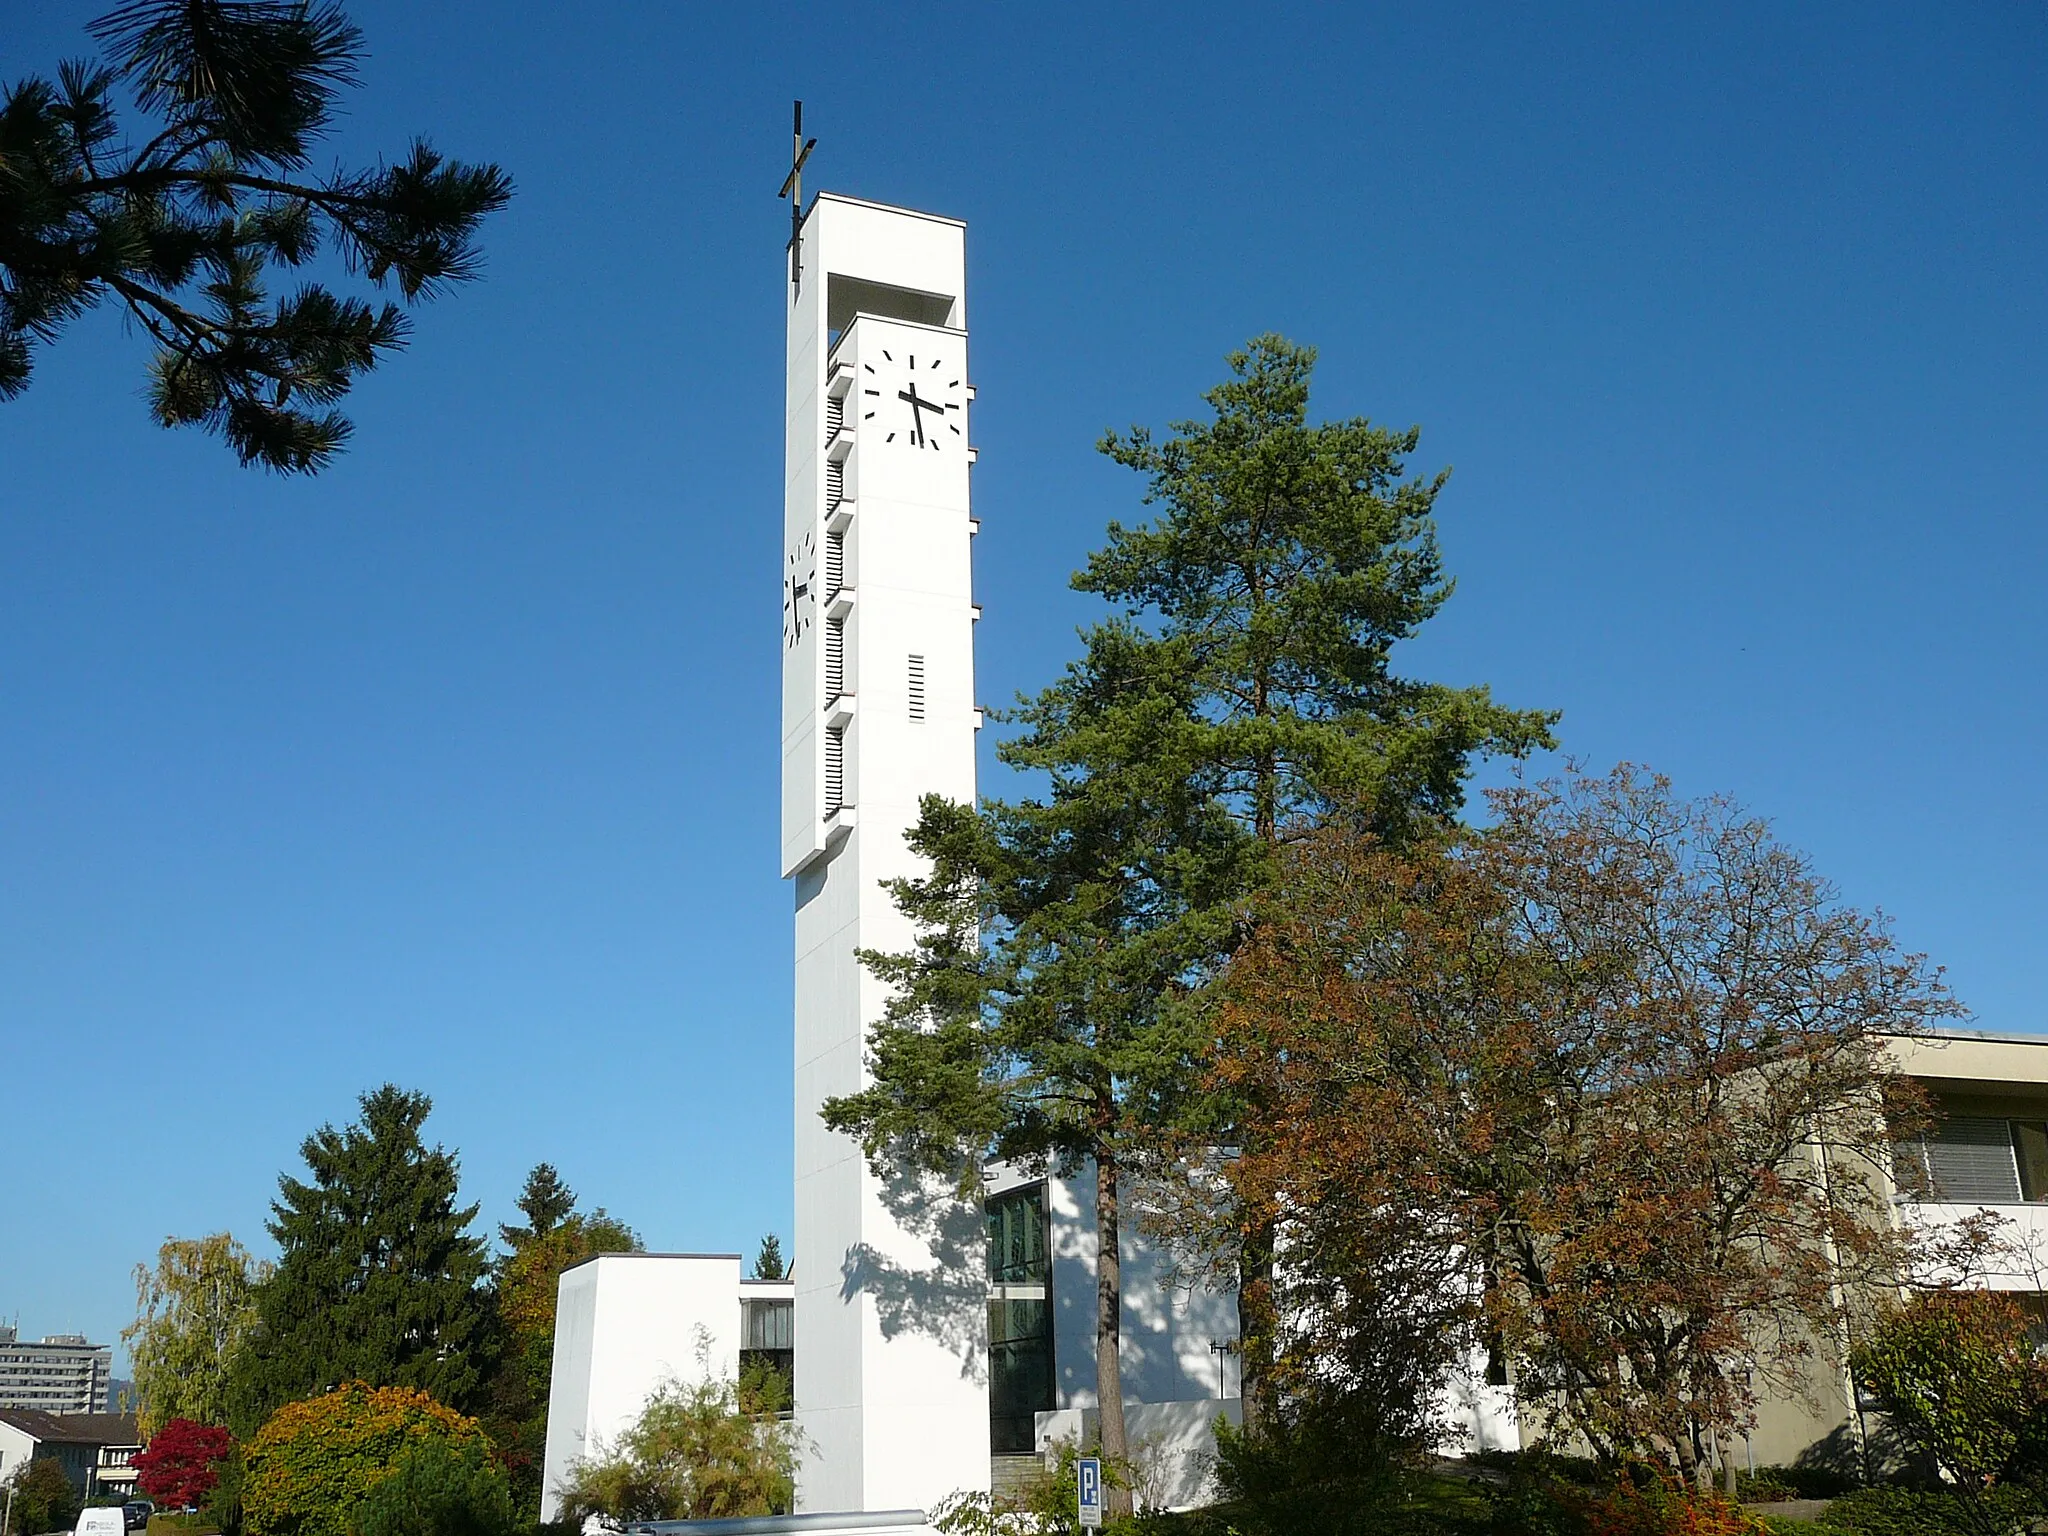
457,765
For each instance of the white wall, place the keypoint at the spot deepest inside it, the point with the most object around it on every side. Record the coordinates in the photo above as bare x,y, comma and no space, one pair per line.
1167,1328
625,1323
16,1447
891,1289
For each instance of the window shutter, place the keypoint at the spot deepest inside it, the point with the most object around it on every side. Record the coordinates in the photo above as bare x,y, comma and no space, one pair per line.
917,687
1970,1161
835,416
835,564
835,483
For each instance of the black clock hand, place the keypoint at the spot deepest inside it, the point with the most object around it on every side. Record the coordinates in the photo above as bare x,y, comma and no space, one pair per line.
918,407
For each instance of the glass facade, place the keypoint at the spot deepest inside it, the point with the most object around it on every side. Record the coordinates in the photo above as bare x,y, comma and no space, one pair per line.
1021,1382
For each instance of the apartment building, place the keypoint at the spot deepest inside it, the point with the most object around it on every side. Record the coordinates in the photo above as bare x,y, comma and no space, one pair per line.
63,1373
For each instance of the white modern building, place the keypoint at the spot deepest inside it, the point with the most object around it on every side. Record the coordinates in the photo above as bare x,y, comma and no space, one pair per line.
627,1324
878,710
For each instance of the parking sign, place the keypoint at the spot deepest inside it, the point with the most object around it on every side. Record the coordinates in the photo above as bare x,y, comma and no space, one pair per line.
1090,1480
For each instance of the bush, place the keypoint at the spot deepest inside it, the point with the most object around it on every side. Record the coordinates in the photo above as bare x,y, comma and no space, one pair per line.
1958,1380
183,1525
44,1499
699,1452
440,1488
1648,1502
315,1461
1927,1512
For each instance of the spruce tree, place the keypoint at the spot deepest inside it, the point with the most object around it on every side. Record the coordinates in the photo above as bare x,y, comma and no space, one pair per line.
378,1276
182,214
1243,690
545,1202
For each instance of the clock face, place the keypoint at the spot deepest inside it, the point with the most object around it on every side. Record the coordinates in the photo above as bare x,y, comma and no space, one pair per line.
915,399
800,591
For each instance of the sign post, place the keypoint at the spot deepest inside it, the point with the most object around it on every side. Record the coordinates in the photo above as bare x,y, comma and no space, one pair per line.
1089,1480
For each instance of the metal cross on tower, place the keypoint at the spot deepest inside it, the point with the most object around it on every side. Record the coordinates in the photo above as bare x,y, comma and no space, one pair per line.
793,189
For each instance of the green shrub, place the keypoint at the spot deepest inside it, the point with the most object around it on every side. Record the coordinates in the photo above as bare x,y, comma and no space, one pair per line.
440,1488
183,1525
1929,1512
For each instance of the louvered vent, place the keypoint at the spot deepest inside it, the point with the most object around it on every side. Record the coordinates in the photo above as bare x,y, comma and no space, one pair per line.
917,687
1970,1161
835,564
835,416
835,771
835,658
835,483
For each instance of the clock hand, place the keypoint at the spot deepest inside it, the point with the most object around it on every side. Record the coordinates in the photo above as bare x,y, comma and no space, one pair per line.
918,406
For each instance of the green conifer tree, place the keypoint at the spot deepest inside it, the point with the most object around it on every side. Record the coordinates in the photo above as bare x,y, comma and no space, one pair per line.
1245,689
378,1275
181,216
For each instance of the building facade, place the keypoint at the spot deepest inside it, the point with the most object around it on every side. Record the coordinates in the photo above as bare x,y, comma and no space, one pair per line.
61,1373
878,711
96,1450
627,1324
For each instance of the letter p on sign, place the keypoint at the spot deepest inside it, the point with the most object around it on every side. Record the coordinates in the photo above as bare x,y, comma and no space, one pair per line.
1089,1476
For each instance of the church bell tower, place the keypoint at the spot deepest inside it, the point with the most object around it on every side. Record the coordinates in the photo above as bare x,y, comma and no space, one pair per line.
878,710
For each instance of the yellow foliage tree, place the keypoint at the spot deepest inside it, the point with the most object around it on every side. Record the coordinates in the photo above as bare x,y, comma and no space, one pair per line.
313,1461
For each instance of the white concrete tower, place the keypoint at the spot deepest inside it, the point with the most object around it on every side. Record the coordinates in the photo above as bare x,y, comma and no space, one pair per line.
878,710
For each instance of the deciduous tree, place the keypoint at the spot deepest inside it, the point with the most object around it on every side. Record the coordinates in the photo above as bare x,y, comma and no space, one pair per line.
378,1275
192,1313
42,1498
1626,1053
314,1461
180,1465
185,214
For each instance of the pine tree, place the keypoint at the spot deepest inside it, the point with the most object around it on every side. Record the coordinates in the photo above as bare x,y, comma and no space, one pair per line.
184,231
768,1263
378,1275
1244,690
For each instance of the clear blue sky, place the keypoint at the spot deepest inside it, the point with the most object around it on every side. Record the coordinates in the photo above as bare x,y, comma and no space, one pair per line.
457,766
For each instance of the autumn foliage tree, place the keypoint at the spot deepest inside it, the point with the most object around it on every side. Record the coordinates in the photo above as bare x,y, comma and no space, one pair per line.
1626,1054
180,1465
314,1461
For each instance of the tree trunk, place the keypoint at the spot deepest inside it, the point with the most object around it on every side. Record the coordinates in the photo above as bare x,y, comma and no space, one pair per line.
1109,1331
1256,1325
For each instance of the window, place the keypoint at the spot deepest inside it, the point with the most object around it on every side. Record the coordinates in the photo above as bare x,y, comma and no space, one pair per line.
835,416
835,564
835,483
1980,1160
835,658
1021,1362
917,688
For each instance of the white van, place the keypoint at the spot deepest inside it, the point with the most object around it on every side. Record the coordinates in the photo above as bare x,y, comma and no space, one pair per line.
100,1522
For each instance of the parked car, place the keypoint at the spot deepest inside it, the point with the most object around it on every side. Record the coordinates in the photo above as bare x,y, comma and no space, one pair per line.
136,1512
